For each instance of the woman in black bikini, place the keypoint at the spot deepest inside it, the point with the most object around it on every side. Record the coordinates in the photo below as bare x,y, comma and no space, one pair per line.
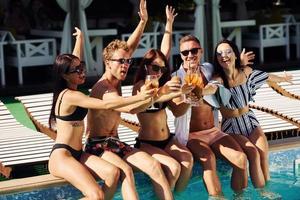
69,108
155,137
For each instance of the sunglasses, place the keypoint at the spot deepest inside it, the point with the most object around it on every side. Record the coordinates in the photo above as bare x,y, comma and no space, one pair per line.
123,61
226,52
193,51
157,68
79,69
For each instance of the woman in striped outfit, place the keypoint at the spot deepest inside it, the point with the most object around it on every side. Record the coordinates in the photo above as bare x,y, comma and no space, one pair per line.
237,119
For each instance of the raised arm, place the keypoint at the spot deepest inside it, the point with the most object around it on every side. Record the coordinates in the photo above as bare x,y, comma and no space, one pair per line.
79,99
135,37
78,47
278,79
166,43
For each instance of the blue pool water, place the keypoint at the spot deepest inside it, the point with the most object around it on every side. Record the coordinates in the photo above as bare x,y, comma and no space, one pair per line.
284,184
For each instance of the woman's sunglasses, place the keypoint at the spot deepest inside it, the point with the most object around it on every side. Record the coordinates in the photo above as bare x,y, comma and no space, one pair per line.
157,68
226,52
79,69
194,51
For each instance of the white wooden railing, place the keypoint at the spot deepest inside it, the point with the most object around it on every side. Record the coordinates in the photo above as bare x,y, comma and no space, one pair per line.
270,35
96,41
27,53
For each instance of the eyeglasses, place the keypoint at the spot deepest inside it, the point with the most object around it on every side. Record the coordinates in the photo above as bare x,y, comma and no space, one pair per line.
226,52
193,51
123,61
79,69
157,68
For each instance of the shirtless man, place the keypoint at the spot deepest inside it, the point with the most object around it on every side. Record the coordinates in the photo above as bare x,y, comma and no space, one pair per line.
195,126
103,124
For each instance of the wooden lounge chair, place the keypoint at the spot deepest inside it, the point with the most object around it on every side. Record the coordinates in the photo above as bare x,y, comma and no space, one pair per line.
285,111
20,145
268,98
38,108
274,127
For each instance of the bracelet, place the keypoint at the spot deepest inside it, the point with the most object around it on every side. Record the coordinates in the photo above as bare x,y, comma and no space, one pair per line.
168,32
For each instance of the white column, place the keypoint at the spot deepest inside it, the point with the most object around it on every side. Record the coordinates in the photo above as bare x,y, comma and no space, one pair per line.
217,32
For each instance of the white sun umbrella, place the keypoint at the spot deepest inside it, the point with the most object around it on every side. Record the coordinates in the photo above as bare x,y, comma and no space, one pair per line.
68,30
90,63
66,35
216,21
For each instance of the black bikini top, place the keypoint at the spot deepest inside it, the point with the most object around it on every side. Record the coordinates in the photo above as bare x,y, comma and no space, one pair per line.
78,115
157,107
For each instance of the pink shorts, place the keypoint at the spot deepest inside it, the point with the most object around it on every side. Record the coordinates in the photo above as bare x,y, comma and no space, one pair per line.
208,136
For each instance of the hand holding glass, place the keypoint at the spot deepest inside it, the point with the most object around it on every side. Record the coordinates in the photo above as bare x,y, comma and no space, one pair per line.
194,78
153,80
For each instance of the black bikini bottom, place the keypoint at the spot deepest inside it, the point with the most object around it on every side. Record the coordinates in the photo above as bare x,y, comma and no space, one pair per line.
75,153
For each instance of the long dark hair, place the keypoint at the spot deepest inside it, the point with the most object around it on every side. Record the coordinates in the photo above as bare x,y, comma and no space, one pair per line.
218,68
148,58
61,66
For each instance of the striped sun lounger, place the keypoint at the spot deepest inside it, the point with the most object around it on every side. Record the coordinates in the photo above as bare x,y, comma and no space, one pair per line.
20,145
38,109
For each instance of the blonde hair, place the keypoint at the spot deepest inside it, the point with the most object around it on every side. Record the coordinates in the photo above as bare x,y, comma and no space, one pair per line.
112,47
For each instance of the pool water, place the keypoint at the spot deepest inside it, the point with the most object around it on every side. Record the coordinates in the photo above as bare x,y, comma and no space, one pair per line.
284,184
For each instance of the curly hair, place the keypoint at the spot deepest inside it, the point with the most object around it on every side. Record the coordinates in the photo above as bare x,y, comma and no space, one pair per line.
112,47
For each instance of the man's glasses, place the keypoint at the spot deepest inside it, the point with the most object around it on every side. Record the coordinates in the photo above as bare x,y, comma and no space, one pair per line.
157,68
79,69
226,52
123,61
194,51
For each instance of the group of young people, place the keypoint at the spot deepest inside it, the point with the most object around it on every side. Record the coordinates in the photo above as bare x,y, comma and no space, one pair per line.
165,157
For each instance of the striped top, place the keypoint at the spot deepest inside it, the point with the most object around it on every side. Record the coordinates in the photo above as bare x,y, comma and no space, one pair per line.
242,94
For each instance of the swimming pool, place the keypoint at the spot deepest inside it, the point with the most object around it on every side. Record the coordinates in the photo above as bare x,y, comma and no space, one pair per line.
284,183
